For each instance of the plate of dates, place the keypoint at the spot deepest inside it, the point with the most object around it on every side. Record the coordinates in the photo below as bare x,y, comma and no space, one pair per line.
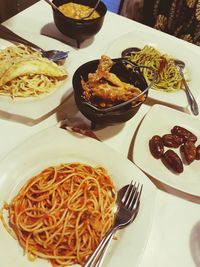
167,147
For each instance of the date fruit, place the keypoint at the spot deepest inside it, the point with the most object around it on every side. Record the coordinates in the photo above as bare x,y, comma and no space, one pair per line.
156,146
198,152
171,140
184,133
172,161
188,150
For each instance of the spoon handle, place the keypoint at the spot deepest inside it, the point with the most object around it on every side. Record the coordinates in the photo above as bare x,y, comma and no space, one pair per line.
52,4
191,99
94,8
8,35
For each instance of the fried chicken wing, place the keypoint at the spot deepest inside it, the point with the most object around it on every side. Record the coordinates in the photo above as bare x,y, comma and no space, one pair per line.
103,88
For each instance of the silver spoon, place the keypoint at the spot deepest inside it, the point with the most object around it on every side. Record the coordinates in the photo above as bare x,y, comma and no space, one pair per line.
54,6
130,50
193,104
54,55
92,11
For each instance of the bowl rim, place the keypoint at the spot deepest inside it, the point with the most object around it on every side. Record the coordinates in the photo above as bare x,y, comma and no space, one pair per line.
78,22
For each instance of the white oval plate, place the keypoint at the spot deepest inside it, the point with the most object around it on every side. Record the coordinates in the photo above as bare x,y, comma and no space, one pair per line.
35,108
54,146
159,121
170,45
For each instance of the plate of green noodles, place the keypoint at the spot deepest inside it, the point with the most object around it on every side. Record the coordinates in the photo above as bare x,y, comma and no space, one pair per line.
158,50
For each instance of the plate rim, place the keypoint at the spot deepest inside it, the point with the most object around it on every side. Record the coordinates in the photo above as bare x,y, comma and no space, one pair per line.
37,108
163,178
151,190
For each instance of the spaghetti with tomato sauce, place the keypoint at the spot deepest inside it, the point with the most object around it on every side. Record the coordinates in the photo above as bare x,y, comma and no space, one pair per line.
62,213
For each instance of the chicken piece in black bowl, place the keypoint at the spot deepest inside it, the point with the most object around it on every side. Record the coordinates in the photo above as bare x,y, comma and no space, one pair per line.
71,24
109,91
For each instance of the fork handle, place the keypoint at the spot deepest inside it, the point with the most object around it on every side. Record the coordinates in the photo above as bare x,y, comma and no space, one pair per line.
102,254
96,255
8,35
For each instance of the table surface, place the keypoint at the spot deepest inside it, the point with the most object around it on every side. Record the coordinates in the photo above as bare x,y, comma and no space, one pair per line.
173,240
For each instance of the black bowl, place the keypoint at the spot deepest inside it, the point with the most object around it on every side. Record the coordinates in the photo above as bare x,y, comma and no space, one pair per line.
79,30
121,113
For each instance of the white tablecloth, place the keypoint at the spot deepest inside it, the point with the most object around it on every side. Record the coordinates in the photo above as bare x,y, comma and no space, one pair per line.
174,239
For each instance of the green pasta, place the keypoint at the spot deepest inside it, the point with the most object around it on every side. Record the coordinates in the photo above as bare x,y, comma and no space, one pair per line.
168,77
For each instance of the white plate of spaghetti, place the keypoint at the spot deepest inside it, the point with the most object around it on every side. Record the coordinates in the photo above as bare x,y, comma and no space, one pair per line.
31,86
158,51
60,199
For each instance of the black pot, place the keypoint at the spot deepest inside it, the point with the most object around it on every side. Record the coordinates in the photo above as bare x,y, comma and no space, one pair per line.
121,114
79,30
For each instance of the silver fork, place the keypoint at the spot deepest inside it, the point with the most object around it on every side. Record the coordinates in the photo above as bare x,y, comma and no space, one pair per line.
127,210
54,55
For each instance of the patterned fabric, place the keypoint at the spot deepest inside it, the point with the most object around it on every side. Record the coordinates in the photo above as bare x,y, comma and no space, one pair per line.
132,9
180,18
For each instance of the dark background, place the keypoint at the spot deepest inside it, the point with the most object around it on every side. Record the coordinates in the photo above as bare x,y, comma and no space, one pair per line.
9,8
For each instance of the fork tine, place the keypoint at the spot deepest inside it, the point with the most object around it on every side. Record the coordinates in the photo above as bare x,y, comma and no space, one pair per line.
135,201
130,196
127,193
133,196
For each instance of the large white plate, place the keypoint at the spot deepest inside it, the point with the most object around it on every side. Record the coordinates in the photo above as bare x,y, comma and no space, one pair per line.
34,108
159,121
53,146
171,46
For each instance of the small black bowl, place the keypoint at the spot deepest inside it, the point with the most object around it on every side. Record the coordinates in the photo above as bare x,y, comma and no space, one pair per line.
79,30
118,113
